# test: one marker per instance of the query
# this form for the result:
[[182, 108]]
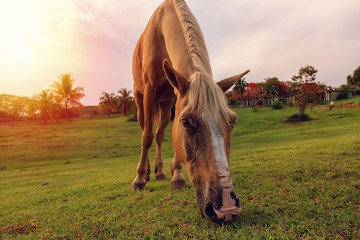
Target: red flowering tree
[[255, 90], [305, 89]]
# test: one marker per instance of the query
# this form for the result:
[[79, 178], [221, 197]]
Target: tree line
[[302, 88], [112, 103], [59, 101]]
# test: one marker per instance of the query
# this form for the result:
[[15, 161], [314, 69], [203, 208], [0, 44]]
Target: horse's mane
[[203, 93]]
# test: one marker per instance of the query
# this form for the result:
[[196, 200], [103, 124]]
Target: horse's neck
[[185, 58]]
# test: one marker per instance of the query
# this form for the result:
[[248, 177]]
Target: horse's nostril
[[209, 211], [236, 199]]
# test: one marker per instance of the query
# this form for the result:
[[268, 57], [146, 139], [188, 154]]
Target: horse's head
[[201, 137]]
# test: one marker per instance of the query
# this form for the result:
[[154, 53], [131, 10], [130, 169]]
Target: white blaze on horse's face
[[230, 202], [219, 153]]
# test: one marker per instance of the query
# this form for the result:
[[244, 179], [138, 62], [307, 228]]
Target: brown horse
[[171, 60]]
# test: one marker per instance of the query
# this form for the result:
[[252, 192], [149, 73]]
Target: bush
[[357, 92], [232, 101], [254, 109], [133, 118], [283, 100], [299, 118], [277, 105], [343, 95], [324, 103], [259, 102]]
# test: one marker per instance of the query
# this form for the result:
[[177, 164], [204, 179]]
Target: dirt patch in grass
[[21, 228]]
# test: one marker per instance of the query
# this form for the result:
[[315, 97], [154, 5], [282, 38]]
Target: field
[[73, 180]]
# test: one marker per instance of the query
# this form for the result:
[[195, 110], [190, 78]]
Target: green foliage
[[108, 102], [305, 88], [324, 103], [232, 101], [133, 117], [240, 86], [354, 79], [73, 181], [343, 95], [283, 100], [277, 105], [125, 100], [274, 86], [45, 103], [254, 109], [13, 107], [65, 93]]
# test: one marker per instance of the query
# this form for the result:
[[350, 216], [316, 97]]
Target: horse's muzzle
[[226, 211]]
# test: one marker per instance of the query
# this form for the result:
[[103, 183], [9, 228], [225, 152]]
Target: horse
[[171, 61]]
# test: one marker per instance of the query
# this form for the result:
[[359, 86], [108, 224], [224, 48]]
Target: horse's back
[[149, 53]]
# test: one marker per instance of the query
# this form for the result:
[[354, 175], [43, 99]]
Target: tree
[[240, 86], [355, 78], [65, 94], [107, 102], [125, 100], [13, 107], [274, 86], [45, 103], [255, 90], [305, 88]]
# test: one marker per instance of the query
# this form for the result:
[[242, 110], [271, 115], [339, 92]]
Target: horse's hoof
[[147, 178], [138, 184], [161, 176], [178, 184]]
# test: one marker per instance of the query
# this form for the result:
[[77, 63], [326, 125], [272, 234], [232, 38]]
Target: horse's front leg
[[164, 119], [143, 168], [178, 180]]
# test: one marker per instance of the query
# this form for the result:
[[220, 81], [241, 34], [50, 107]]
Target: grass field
[[73, 180], [355, 99]]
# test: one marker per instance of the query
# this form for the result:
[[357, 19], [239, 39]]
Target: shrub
[[232, 101], [283, 100], [133, 118], [299, 118], [277, 105], [343, 95], [254, 109], [259, 102], [324, 103]]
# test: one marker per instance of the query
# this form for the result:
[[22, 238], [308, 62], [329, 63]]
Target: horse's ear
[[228, 82], [175, 78]]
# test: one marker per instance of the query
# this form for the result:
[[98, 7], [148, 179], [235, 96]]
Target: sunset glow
[[94, 40]]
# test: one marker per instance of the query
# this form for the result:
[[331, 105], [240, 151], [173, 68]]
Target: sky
[[94, 40]]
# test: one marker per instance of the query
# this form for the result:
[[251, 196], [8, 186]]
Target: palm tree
[[44, 102], [240, 86], [125, 100], [65, 93], [107, 101]]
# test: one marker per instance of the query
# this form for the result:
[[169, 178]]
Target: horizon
[[94, 41]]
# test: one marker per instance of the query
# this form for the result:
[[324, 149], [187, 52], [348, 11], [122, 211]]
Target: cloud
[[94, 40]]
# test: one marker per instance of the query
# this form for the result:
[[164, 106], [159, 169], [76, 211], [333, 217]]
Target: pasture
[[73, 180]]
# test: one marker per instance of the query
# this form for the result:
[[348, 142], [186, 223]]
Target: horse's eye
[[186, 124], [189, 123]]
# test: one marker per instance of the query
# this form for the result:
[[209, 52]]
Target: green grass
[[355, 99], [73, 180]]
